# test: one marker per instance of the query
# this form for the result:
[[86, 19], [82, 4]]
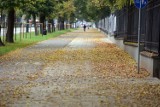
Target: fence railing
[[127, 25]]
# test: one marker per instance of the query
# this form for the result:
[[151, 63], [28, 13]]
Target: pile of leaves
[[109, 60], [106, 59]]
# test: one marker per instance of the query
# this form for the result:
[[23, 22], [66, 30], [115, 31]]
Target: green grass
[[28, 40]]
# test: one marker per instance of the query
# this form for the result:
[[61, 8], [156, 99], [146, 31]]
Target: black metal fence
[[150, 25], [132, 26], [152, 37], [127, 25], [122, 22]]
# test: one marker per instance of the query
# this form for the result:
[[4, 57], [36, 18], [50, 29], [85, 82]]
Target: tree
[[98, 9], [92, 10], [1, 43], [64, 10], [81, 9], [11, 6], [42, 8], [45, 9], [118, 4], [30, 9]]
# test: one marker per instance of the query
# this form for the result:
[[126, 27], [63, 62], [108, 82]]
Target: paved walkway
[[77, 69]]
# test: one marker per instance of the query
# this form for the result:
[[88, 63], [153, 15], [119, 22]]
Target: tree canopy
[[93, 10], [65, 10]]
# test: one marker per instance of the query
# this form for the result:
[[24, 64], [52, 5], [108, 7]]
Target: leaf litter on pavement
[[104, 72]]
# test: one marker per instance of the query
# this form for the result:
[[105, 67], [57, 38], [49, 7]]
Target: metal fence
[[132, 26], [127, 25], [152, 37], [122, 22]]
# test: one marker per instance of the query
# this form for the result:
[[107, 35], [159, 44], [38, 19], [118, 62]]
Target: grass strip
[[29, 39]]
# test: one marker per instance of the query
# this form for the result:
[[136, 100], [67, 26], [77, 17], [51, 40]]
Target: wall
[[145, 62]]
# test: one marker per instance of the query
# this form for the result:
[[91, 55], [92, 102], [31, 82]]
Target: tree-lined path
[[77, 69]]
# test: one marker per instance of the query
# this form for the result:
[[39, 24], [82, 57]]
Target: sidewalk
[[77, 69]]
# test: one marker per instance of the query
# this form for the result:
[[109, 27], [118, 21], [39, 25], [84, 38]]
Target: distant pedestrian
[[84, 27]]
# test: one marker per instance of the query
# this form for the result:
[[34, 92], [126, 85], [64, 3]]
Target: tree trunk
[[1, 43], [35, 26], [67, 24], [53, 26], [61, 22], [70, 25], [10, 30], [42, 20], [27, 26], [62, 25], [49, 26]]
